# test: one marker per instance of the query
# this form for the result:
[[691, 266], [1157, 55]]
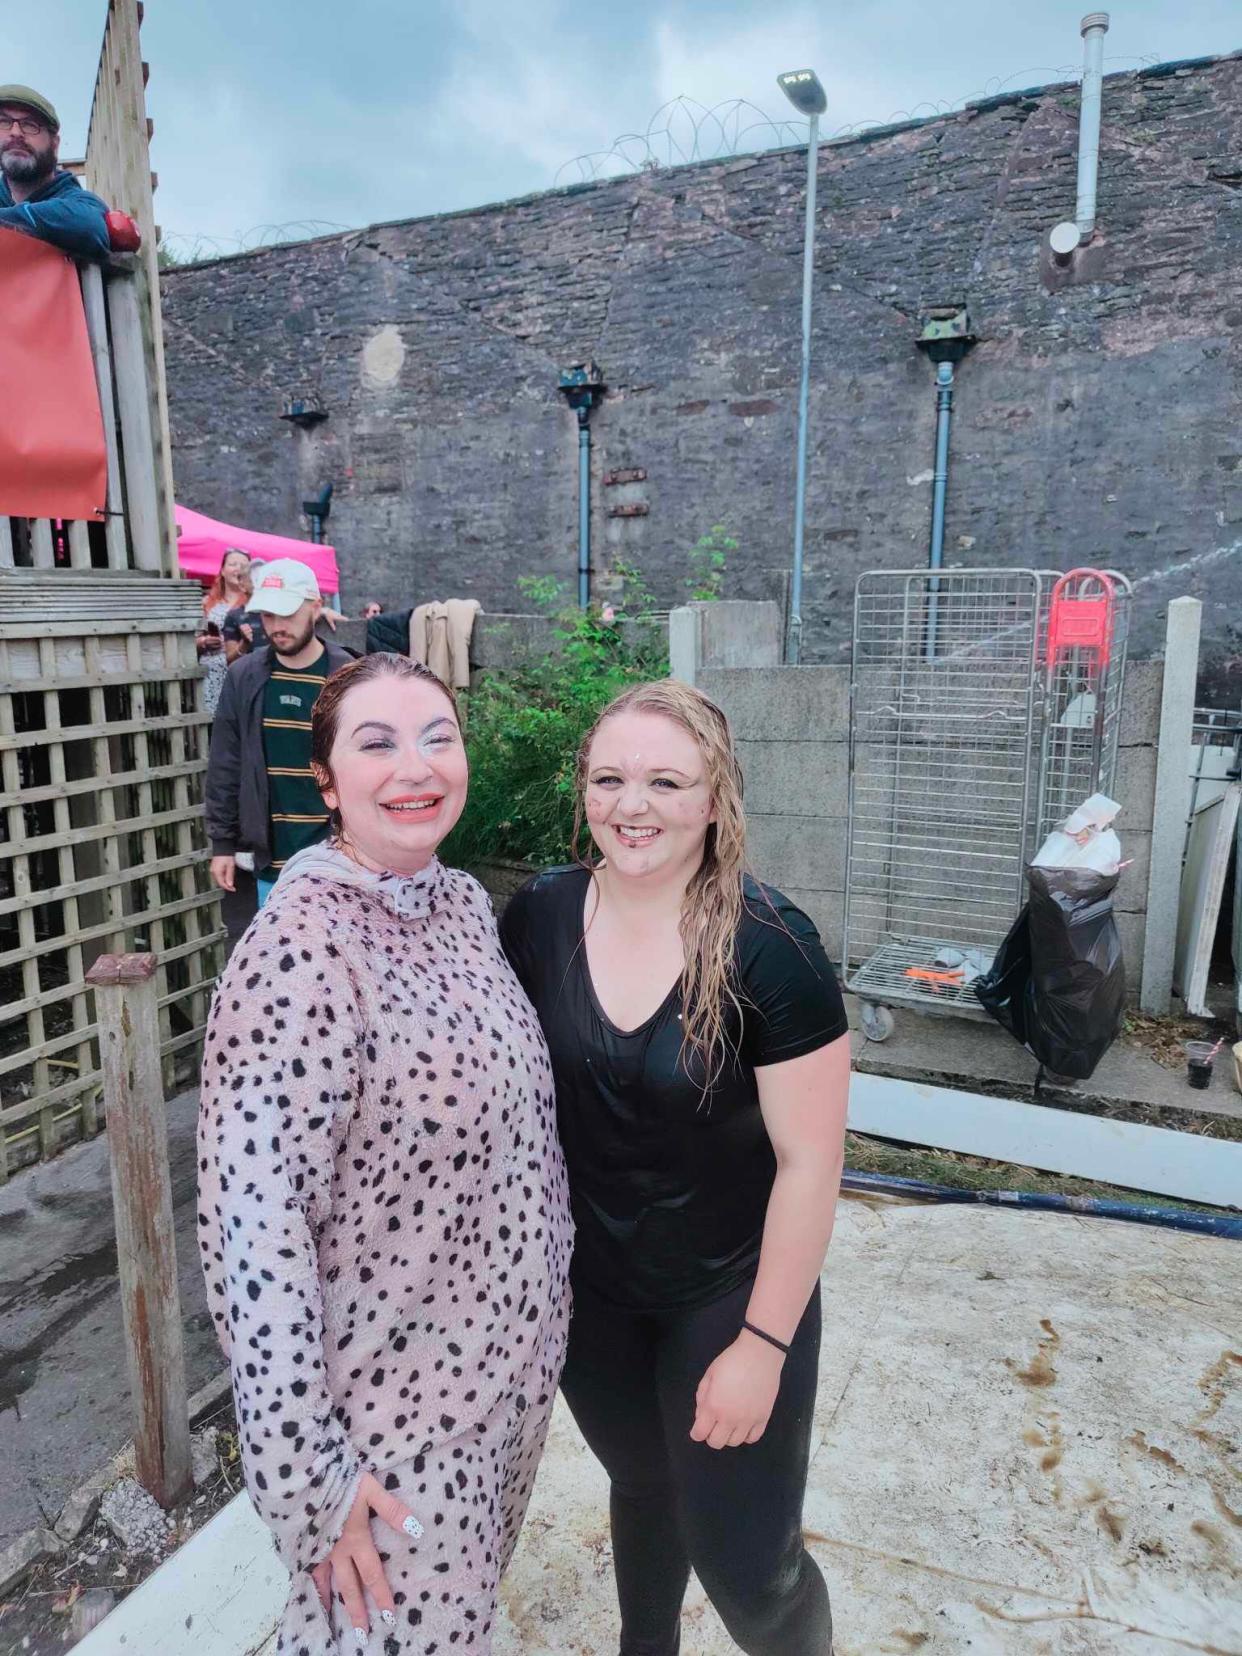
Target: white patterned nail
[[412, 1527], [361, 1636], [388, 1617]]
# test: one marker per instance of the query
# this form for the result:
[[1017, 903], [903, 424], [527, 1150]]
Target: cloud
[[539, 86], [283, 111]]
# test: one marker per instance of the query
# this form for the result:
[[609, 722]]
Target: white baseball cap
[[283, 586]]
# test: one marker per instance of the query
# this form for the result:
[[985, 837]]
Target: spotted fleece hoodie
[[384, 1217]]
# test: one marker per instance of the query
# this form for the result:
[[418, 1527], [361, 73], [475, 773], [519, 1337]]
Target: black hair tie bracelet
[[770, 1338]]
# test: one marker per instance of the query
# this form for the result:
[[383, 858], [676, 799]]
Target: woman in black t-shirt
[[701, 1058]]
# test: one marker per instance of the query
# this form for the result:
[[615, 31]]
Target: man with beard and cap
[[260, 794], [37, 196]]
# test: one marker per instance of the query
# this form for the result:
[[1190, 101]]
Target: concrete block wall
[[792, 731]]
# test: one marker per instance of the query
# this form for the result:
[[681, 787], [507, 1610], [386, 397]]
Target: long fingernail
[[412, 1527], [388, 1617], [361, 1637]]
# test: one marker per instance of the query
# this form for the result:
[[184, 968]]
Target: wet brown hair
[[326, 713], [712, 909]]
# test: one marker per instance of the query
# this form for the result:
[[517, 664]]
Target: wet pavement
[[64, 1384]]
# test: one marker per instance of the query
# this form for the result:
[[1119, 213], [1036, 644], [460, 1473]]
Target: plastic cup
[[1199, 1056]]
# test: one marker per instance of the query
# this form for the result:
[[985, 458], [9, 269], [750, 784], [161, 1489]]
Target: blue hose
[[1206, 1224]]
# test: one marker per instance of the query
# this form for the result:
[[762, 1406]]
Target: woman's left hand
[[737, 1394]]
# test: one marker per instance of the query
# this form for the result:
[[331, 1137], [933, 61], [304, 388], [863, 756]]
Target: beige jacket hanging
[[440, 638]]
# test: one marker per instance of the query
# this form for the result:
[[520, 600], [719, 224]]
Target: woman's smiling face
[[399, 772], [647, 799]]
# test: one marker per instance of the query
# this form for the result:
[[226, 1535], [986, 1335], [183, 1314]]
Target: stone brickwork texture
[[1094, 423]]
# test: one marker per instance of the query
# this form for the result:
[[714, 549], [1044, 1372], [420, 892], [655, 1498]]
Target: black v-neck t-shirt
[[669, 1189]]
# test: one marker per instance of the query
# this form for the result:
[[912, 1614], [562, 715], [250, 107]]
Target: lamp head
[[802, 88]]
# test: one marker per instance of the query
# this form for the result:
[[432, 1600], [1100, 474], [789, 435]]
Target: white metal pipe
[[1094, 27]]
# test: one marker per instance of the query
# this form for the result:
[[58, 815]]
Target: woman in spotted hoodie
[[384, 1219]]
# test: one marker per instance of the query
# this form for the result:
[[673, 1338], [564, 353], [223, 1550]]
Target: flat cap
[[32, 100]]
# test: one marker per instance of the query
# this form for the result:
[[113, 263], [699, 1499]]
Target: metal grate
[[944, 723]]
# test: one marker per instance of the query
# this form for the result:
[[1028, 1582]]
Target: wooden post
[[134, 407], [129, 1036]]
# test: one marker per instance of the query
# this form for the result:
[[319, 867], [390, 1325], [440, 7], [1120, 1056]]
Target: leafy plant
[[637, 598], [709, 558], [524, 726]]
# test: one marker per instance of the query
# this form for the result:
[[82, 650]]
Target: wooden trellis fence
[[101, 842], [102, 741]]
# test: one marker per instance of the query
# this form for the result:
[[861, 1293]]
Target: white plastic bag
[[1085, 839]]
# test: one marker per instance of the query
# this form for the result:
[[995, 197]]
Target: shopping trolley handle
[[1080, 618]]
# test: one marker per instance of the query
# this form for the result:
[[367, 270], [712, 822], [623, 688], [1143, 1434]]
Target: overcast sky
[[336, 113]]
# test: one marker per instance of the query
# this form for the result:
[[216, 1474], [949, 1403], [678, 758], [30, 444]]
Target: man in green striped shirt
[[260, 792], [296, 809]]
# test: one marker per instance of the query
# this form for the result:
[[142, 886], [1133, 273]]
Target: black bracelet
[[770, 1338]]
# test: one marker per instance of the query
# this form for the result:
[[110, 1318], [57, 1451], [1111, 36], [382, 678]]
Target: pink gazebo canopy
[[202, 543]]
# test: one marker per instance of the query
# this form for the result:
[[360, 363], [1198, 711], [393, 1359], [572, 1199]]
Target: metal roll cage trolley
[[984, 707]]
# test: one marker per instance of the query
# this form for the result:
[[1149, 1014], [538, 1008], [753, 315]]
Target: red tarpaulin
[[52, 460], [202, 543]]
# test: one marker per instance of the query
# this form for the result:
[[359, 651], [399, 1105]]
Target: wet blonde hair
[[713, 906]]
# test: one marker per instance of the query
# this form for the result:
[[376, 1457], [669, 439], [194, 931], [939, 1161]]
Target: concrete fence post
[[723, 632], [685, 643], [1168, 828], [127, 1011]]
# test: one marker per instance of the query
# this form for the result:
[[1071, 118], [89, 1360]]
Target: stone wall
[[1097, 419], [792, 726]]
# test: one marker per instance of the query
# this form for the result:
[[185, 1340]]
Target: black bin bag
[[1058, 983]]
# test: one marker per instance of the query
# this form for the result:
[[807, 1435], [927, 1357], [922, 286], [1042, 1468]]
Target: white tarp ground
[[1027, 1444]]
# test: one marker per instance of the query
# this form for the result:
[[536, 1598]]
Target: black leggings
[[735, 1515]]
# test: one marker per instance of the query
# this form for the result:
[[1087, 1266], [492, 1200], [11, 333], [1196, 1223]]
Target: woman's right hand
[[207, 643], [354, 1563]]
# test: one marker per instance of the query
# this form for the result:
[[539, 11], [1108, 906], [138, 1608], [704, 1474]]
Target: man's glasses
[[25, 124]]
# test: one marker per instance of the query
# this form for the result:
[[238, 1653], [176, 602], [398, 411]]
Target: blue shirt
[[60, 212]]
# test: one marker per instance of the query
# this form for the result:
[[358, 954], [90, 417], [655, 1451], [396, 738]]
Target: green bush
[[524, 726]]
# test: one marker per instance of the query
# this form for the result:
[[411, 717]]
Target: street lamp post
[[802, 88]]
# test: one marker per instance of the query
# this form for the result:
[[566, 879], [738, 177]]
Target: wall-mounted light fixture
[[582, 387], [304, 412]]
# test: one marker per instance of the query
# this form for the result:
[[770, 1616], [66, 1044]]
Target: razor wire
[[683, 130], [192, 247]]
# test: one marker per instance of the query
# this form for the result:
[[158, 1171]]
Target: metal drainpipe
[[1094, 27], [940, 490], [584, 506], [946, 338], [582, 386], [940, 481]]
